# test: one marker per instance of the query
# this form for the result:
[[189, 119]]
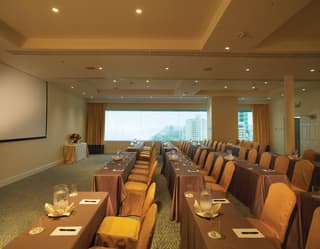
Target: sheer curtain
[[261, 124], [95, 127]]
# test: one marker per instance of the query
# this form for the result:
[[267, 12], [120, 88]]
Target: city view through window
[[155, 125], [245, 125]]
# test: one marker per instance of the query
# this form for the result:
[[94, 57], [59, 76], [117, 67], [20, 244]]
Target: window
[[155, 125], [245, 125]]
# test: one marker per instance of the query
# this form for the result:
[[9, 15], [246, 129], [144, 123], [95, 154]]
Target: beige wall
[[66, 114], [225, 118], [310, 126]]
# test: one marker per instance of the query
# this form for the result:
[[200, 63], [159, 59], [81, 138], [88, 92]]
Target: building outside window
[[245, 125]]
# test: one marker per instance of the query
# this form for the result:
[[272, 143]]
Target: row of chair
[[134, 228]]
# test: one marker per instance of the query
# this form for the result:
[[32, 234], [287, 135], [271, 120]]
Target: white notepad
[[66, 231], [89, 201], [220, 200], [247, 233]]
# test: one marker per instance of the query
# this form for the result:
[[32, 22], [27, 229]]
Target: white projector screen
[[23, 106]]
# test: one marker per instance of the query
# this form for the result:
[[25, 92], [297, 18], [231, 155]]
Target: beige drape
[[261, 124], [95, 123]]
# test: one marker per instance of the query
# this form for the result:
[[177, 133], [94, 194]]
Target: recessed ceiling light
[[55, 9], [139, 11], [83, 93], [303, 89], [282, 94], [196, 81], [114, 81], [147, 81], [266, 82], [253, 87], [100, 68], [71, 87], [227, 48], [166, 68], [225, 87], [268, 98], [312, 70], [148, 86], [91, 97], [247, 69], [94, 68]]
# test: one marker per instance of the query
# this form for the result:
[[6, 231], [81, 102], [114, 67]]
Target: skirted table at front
[[74, 152]]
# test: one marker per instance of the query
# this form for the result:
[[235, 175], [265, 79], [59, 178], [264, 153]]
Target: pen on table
[[219, 200], [249, 232], [89, 201], [67, 229]]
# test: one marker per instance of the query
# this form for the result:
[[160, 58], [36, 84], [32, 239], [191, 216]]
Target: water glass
[[60, 197], [73, 190], [205, 201]]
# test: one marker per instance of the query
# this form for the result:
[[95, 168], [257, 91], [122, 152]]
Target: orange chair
[[202, 159], [214, 145], [281, 164], [242, 153], [196, 156], [252, 156], [309, 155], [313, 240], [208, 165], [276, 213], [265, 160], [143, 175], [302, 176], [213, 178], [125, 232], [223, 147], [226, 178]]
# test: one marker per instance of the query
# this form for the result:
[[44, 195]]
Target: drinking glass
[[205, 201], [37, 227], [60, 197], [215, 233], [73, 190]]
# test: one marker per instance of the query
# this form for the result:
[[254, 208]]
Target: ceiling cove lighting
[[55, 10], [139, 11]]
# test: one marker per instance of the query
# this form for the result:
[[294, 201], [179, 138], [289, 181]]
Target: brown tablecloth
[[138, 147], [181, 177], [298, 231], [194, 230], [250, 184], [112, 177], [88, 216]]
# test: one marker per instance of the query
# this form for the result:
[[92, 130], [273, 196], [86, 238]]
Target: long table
[[112, 177], [181, 177], [194, 229], [250, 184], [88, 216]]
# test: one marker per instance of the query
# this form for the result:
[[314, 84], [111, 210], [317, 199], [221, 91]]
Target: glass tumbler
[[60, 197]]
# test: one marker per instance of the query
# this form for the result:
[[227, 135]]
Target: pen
[[219, 200], [249, 232], [89, 201], [67, 229]]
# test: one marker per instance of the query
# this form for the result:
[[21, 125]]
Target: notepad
[[247, 233], [66, 231], [89, 201], [220, 200]]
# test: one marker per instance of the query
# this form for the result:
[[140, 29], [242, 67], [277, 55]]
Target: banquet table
[[194, 229], [88, 216], [75, 152], [137, 147], [250, 184], [112, 177], [181, 177]]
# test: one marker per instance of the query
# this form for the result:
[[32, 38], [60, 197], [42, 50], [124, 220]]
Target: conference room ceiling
[[105, 51]]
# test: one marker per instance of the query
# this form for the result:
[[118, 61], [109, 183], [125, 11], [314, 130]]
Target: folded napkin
[[212, 212]]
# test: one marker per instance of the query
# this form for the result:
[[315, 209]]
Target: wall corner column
[[289, 134]]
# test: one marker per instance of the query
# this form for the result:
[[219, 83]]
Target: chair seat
[[296, 188], [203, 172], [136, 186], [142, 162], [137, 171], [216, 187], [118, 231], [141, 166], [138, 178], [267, 231], [209, 179]]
